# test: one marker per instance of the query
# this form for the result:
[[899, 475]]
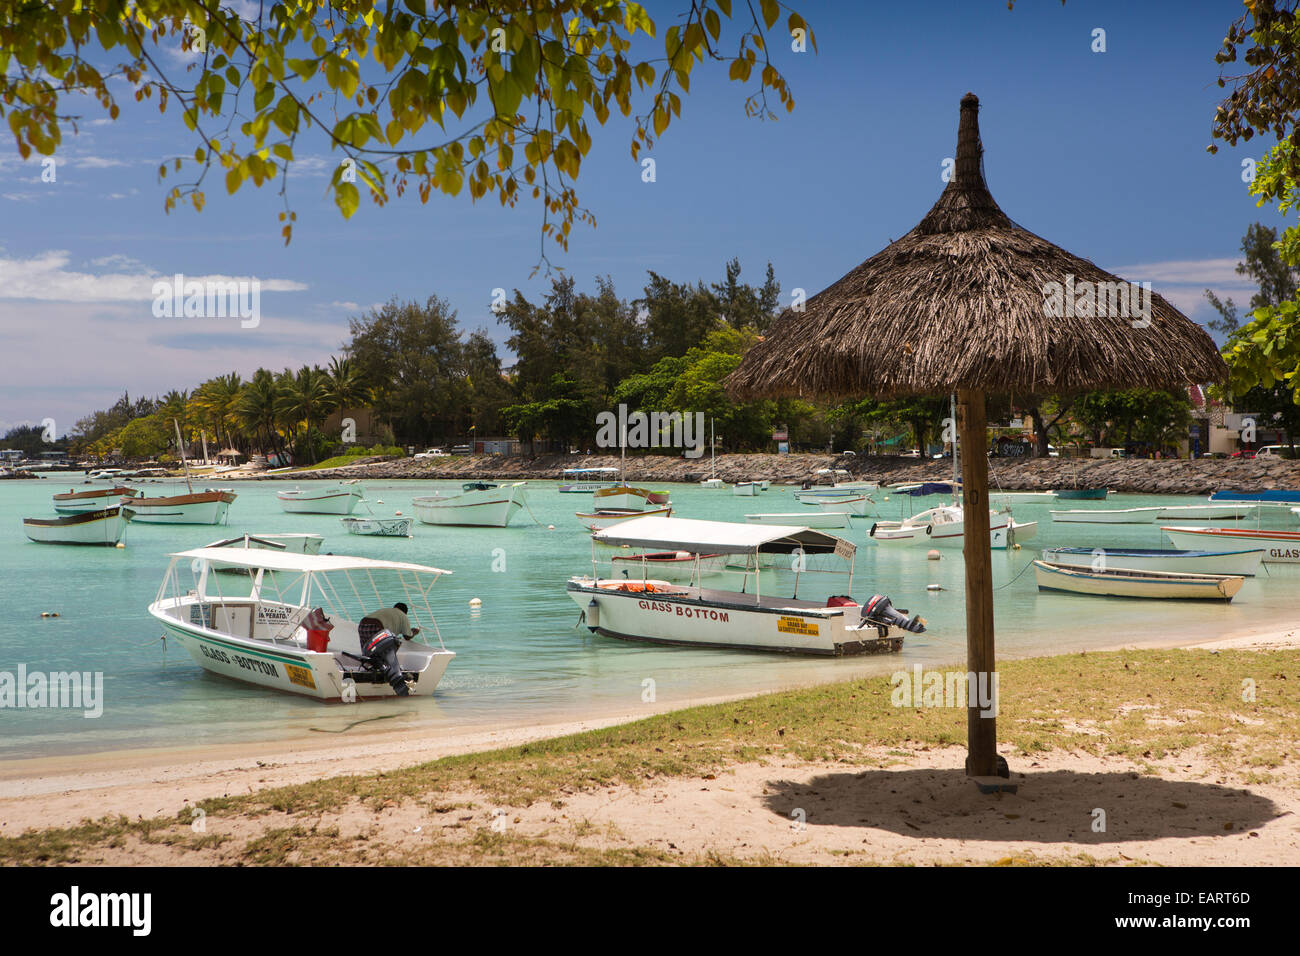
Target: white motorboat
[[1004, 498], [579, 481], [283, 543], [96, 499], [802, 519], [713, 484], [764, 485], [382, 527], [608, 517], [658, 611], [1106, 515], [1244, 563], [329, 500], [104, 527], [210, 506], [1116, 582], [262, 628], [676, 566], [477, 504], [1215, 511], [945, 527], [746, 489], [1280, 547]]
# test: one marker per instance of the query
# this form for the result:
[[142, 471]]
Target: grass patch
[[1237, 707]]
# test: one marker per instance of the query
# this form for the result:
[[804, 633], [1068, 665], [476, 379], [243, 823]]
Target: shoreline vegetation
[[1169, 476], [1186, 765]]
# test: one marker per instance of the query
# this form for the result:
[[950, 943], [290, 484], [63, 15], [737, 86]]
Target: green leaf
[[347, 198]]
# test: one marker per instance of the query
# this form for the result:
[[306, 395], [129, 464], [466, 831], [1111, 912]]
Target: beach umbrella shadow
[[1050, 807]]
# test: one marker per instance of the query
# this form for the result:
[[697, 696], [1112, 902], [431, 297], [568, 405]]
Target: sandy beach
[[926, 814]]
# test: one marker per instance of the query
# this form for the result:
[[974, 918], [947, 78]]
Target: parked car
[[1274, 451], [432, 453], [1244, 453]]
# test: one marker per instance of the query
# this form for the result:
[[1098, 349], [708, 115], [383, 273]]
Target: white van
[[1274, 451]]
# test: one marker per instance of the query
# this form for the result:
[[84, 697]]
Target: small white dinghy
[[1220, 511], [746, 489], [380, 527], [105, 527], [1244, 562], [608, 517], [96, 499], [945, 526], [264, 630], [1117, 582], [330, 500], [1280, 547]]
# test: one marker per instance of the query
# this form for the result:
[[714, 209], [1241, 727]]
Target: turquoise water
[[520, 659]]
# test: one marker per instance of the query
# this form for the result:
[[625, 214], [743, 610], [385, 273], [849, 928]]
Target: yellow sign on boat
[[797, 625], [300, 676]]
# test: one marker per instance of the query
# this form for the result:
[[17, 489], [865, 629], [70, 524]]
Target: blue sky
[[1102, 153]]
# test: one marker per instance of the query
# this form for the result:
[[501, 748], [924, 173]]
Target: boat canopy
[[591, 471], [721, 537], [314, 563], [927, 488]]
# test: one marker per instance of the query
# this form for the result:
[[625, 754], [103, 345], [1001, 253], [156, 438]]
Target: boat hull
[[600, 520], [80, 502], [490, 508], [1115, 516], [1243, 563], [295, 671], [1136, 584], [104, 528], [681, 619], [201, 508], [1280, 547], [804, 519], [379, 527], [332, 501], [1212, 512]]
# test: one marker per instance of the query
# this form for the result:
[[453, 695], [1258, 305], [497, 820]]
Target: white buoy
[[119, 545], [475, 602], [934, 587], [550, 527], [1015, 547], [397, 513], [933, 555], [380, 501]]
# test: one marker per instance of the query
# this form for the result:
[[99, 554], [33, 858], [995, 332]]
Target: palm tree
[[256, 411], [304, 397]]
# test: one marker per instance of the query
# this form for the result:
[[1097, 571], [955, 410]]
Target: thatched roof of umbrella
[[959, 302]]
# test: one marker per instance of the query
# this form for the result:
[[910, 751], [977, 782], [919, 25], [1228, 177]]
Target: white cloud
[[47, 277], [1205, 273]]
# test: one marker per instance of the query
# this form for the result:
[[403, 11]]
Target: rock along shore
[[1148, 476]]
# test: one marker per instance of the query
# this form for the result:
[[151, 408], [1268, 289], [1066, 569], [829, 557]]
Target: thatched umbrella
[[969, 302]]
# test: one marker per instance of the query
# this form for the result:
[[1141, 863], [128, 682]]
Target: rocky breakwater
[[1165, 476]]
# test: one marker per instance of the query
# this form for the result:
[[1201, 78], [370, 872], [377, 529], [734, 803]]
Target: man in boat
[[381, 634]]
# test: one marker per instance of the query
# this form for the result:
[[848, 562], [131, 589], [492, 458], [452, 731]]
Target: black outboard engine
[[881, 612]]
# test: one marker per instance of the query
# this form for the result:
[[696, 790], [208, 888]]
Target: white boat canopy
[[721, 537], [314, 563], [591, 471]]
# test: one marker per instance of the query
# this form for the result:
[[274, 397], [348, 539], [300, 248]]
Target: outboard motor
[[881, 612]]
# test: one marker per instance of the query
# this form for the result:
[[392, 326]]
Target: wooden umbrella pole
[[981, 731]]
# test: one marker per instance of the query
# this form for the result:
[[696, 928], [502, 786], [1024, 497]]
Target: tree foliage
[[437, 96]]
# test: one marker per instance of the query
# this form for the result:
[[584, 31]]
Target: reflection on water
[[521, 659]]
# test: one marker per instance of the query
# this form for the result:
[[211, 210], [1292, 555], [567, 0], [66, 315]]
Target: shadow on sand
[[1050, 807]]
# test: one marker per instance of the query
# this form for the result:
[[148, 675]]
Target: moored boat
[[210, 506], [1280, 547], [607, 517], [1082, 494], [477, 504], [1106, 515], [713, 484], [381, 527], [329, 500], [860, 506], [746, 489], [284, 543], [1118, 582], [95, 499], [1211, 512], [301, 638], [626, 497], [1273, 496], [946, 527], [105, 527], [659, 611], [579, 481], [1240, 562], [808, 519]]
